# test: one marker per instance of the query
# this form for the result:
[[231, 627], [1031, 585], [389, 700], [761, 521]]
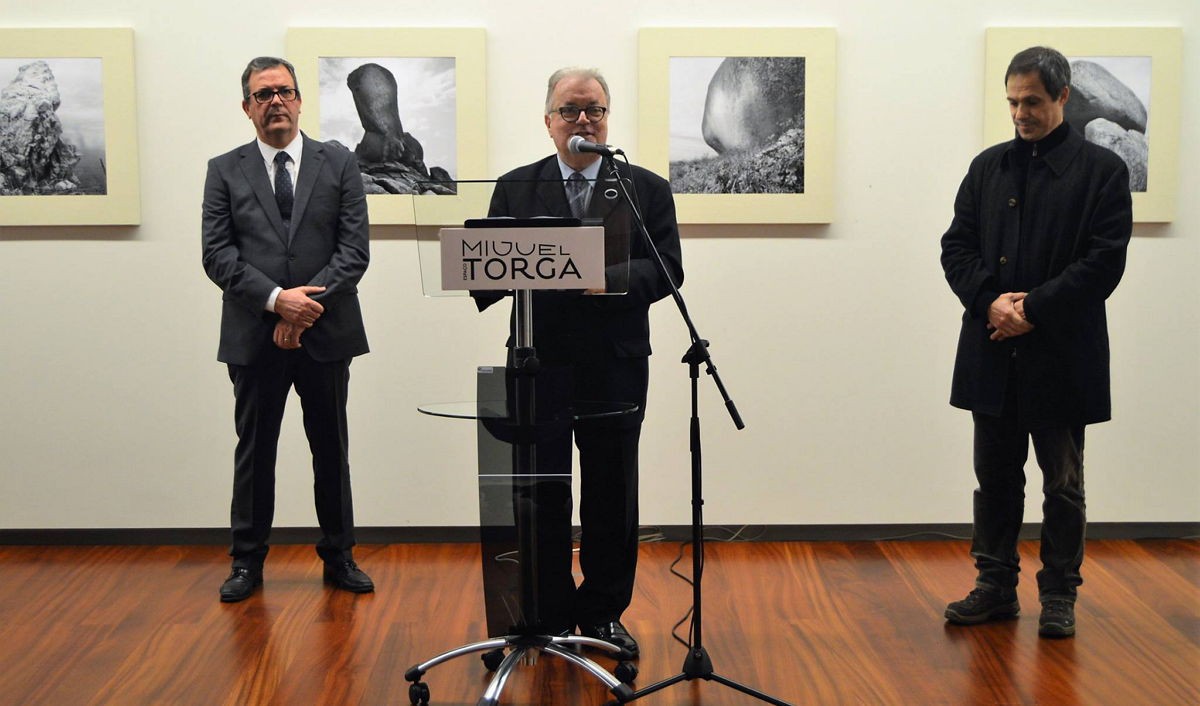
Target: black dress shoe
[[241, 583], [348, 577], [613, 633]]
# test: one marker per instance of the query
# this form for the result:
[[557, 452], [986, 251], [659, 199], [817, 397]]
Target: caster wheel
[[492, 659], [418, 694], [626, 672]]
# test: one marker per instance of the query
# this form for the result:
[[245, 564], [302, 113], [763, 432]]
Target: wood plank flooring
[[806, 622]]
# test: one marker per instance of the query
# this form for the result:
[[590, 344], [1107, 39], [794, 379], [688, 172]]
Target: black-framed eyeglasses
[[266, 95], [570, 113]]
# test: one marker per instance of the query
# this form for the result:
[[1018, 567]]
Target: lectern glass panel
[[524, 439]]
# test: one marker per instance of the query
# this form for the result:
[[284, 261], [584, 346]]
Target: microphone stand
[[697, 664]]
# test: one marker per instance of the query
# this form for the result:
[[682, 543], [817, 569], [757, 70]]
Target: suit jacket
[[1062, 240], [575, 328], [247, 252]]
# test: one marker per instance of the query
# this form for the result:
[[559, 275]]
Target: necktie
[[283, 186], [577, 191]]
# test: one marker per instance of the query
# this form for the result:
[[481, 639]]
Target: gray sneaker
[[982, 605], [1057, 619]]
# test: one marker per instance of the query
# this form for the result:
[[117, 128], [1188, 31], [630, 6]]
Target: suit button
[[1003, 260], [1012, 203]]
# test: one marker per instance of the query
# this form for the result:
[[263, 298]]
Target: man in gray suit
[[285, 238]]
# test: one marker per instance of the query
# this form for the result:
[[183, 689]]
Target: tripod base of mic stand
[[526, 648], [698, 665]]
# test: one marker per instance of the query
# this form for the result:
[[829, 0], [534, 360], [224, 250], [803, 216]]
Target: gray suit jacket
[[247, 252]]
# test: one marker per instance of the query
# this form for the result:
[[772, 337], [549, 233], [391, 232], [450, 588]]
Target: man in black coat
[[605, 342], [1036, 246], [285, 238]]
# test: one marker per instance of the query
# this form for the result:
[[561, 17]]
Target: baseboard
[[674, 533]]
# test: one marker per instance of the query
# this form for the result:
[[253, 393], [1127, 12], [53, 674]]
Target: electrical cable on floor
[[911, 535]]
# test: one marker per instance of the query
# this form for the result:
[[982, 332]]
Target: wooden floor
[[806, 622]]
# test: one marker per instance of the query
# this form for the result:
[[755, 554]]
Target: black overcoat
[[1068, 254]]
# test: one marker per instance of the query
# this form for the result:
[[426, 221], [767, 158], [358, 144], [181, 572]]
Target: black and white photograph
[[398, 115], [1110, 105], [1126, 85], [736, 125], [52, 127]]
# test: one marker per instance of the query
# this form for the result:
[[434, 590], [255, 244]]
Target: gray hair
[[1049, 64], [574, 72], [262, 63]]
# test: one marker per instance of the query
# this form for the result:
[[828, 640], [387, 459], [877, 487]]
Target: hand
[[295, 306], [1006, 316], [1019, 307], [287, 336]]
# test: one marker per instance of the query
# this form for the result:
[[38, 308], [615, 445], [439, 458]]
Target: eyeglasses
[[571, 113], [266, 95]]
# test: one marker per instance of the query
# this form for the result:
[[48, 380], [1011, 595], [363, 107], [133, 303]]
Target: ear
[[246, 108], [1066, 95]]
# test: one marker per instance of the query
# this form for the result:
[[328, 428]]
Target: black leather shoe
[[241, 583], [613, 633], [348, 577]]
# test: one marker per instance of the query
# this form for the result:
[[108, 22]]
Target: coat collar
[[1057, 159], [311, 163]]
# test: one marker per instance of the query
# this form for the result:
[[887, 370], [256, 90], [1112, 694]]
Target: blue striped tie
[[577, 190]]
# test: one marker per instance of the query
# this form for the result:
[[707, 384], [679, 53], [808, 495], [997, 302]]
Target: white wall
[[836, 341]]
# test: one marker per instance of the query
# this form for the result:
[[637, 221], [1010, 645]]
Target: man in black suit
[[285, 238], [1041, 225], [604, 341]]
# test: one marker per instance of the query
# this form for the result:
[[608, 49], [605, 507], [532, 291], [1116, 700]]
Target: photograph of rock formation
[[398, 115], [52, 127], [1109, 104], [736, 125]]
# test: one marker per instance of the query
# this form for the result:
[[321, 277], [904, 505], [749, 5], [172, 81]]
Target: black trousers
[[260, 393], [608, 496], [1001, 450], [608, 515]]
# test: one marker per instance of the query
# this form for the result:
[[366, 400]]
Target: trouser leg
[[1001, 450], [1060, 454], [608, 512], [323, 390], [260, 393]]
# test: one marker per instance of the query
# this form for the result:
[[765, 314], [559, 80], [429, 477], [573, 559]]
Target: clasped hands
[[298, 313], [1006, 316]]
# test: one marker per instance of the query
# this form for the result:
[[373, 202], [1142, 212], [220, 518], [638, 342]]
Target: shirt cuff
[[271, 299]]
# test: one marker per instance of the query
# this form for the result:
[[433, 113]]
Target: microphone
[[578, 145]]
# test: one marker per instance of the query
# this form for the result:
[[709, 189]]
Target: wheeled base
[[526, 647]]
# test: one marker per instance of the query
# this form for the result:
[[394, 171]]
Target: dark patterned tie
[[283, 186], [577, 191]]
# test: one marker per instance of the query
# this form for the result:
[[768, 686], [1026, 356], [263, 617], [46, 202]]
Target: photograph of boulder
[[397, 114], [52, 127], [1109, 105], [736, 125]]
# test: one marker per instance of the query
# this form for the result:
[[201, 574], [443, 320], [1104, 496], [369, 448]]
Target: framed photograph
[[1125, 84], [400, 99], [740, 120], [68, 128]]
